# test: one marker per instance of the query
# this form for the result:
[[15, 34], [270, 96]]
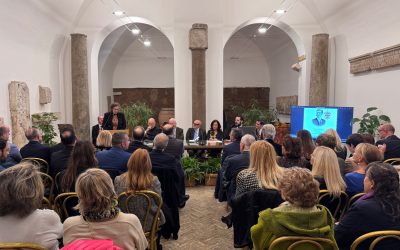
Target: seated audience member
[[330, 142], [299, 215], [234, 147], [215, 133], [178, 132], [100, 217], [292, 156], [152, 129], [307, 143], [269, 133], [59, 159], [96, 129], [259, 134], [138, 137], [82, 158], [21, 220], [368, 138], [377, 210], [138, 178], [5, 161], [364, 154], [35, 148], [14, 150], [340, 148], [389, 142], [325, 170], [60, 146], [263, 171], [116, 157], [196, 133], [352, 141], [104, 140]]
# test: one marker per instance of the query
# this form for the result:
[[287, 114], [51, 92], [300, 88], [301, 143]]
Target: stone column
[[198, 43], [319, 70], [80, 91], [20, 111]]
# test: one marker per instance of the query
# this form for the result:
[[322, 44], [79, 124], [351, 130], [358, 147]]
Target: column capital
[[198, 37]]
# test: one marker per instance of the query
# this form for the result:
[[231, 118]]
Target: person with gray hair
[[116, 157], [269, 132], [234, 147], [160, 141], [35, 148]]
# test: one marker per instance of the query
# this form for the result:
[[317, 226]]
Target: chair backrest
[[336, 205], [64, 205], [112, 172], [48, 183], [146, 205], [379, 236], [42, 164], [350, 202], [46, 204], [20, 245], [302, 242], [393, 161]]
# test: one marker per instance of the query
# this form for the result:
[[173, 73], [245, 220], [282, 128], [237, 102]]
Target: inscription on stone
[[20, 111]]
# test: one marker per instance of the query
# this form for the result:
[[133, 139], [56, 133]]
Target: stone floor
[[201, 227]]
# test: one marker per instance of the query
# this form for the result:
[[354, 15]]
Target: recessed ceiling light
[[262, 29], [147, 42], [135, 31], [118, 12], [280, 12]]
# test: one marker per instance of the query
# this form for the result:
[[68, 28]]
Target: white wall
[[246, 72]]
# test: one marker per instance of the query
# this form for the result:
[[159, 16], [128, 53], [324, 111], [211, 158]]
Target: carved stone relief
[[44, 95], [20, 111], [283, 104]]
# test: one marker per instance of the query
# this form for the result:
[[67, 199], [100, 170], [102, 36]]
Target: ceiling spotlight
[[135, 31], [262, 29], [118, 12], [147, 42], [280, 12]]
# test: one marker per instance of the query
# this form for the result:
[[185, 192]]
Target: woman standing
[[114, 120]]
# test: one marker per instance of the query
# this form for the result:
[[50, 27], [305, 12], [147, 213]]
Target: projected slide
[[318, 120]]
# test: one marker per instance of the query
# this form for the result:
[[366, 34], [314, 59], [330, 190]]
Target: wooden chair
[[393, 161], [302, 242], [46, 204], [48, 183], [42, 164], [14, 246], [64, 205], [140, 204], [336, 205], [378, 235], [351, 201]]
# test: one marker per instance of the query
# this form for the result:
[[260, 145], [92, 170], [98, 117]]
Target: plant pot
[[190, 182], [211, 179]]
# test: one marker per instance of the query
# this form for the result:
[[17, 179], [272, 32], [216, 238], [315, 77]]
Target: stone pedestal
[[198, 44], [319, 70], [80, 92], [20, 111]]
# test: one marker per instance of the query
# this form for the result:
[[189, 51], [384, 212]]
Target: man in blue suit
[[116, 157], [318, 121], [234, 147]]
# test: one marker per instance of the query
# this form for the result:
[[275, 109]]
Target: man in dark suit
[[34, 148], [116, 157], [152, 129], [114, 120], [14, 154], [318, 121], [196, 133], [59, 159], [259, 125], [234, 147], [96, 129], [138, 136], [238, 124], [389, 143], [178, 132]]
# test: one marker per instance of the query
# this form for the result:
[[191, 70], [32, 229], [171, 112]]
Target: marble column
[[80, 91], [20, 111], [198, 43], [318, 95]]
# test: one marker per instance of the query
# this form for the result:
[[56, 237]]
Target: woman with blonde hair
[[325, 169], [100, 217], [21, 220], [103, 141], [263, 171], [340, 148]]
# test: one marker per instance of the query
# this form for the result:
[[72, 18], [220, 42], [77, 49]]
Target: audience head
[[168, 130], [172, 121], [263, 162], [33, 134], [196, 124], [383, 180], [95, 191], [385, 130], [215, 125], [325, 164], [368, 138], [239, 120], [259, 124], [353, 140], [160, 141], [326, 140], [235, 134], [138, 133], [104, 139], [269, 131], [4, 133], [291, 147], [299, 187], [100, 119], [306, 142], [246, 142], [115, 107], [22, 190], [151, 123], [366, 153], [68, 137], [4, 150], [333, 133], [139, 171], [120, 140]]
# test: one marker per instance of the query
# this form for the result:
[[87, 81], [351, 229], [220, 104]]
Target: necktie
[[196, 134]]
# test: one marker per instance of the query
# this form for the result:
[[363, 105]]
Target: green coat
[[274, 223]]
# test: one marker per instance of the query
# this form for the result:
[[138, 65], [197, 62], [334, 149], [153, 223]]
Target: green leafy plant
[[44, 121], [370, 122], [193, 168], [137, 114], [212, 165], [254, 111]]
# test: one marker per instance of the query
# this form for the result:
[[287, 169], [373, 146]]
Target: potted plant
[[193, 171], [212, 167], [370, 121], [137, 114], [255, 111], [44, 121]]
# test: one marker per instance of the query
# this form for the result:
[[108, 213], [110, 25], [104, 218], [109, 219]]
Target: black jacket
[[190, 134], [37, 150], [135, 145], [234, 164], [107, 121], [392, 146], [230, 149], [95, 133], [59, 160]]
